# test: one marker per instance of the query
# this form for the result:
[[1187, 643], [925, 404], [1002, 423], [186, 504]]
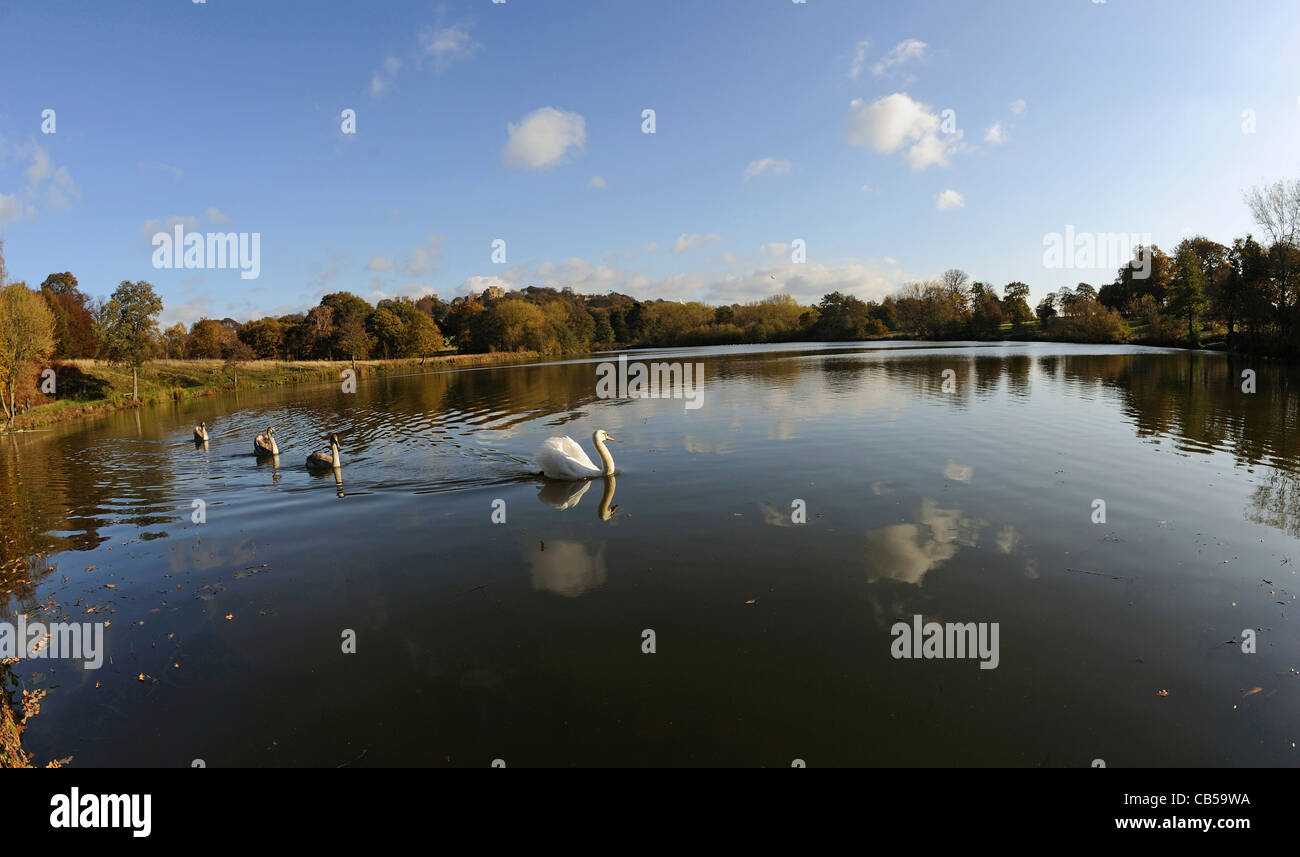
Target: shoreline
[[178, 380], [165, 380]]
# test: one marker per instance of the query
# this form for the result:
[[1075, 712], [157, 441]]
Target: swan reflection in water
[[565, 495], [322, 472], [272, 461], [338, 479]]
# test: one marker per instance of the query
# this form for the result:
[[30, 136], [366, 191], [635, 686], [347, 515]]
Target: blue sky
[[775, 121]]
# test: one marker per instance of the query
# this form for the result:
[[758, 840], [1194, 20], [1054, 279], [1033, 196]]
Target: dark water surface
[[522, 641]]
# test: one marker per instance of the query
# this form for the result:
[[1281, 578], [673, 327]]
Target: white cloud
[[478, 285], [895, 121], [859, 59], [776, 166], [908, 49], [330, 272], [1018, 106], [543, 138], [380, 263], [996, 134], [652, 247], [11, 208], [189, 312], [447, 45], [423, 259], [949, 200], [45, 179], [41, 168], [441, 47], [890, 260], [62, 189], [378, 293], [158, 166], [152, 227], [689, 242], [613, 257], [930, 151], [597, 182], [216, 216], [775, 249], [806, 282], [384, 79]]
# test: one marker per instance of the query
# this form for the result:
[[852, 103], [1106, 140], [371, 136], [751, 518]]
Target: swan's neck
[[606, 460], [334, 452], [604, 511]]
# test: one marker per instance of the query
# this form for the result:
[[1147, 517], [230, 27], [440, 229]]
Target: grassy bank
[[91, 388]]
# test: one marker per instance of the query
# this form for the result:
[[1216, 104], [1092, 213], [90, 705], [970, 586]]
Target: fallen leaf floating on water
[[141, 676], [1252, 691], [230, 616], [751, 601], [1162, 693]]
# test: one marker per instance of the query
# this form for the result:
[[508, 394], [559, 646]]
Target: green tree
[[1187, 291], [986, 312], [349, 314], [1015, 305], [128, 328], [175, 340], [885, 312], [265, 337], [516, 325], [1089, 321], [388, 331], [844, 317], [1148, 274], [462, 324], [422, 336], [1046, 309], [604, 333]]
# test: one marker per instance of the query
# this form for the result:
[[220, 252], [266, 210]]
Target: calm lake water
[[522, 640]]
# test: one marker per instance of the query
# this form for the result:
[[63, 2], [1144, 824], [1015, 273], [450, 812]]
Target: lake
[[524, 639]]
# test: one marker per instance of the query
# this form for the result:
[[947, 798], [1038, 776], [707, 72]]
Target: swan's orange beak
[[611, 437]]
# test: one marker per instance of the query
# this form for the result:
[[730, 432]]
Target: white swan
[[562, 458]]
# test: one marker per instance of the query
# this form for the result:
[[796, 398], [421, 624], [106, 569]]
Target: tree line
[[1244, 296]]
